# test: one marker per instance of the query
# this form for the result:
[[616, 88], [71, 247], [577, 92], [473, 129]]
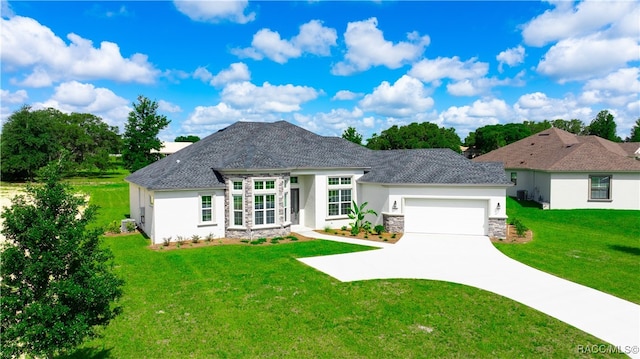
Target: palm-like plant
[[357, 214]]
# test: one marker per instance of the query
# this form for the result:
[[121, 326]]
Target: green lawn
[[241, 301], [597, 248]]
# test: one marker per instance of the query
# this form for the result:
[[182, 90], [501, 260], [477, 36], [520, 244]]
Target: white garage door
[[445, 216]]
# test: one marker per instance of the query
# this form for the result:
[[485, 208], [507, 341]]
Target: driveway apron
[[474, 261]]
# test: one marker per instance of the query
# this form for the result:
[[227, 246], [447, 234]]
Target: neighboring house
[[565, 171], [169, 148], [254, 180]]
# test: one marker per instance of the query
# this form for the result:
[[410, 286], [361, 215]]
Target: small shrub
[[291, 237], [259, 240], [113, 227], [195, 238], [344, 228], [274, 240], [179, 240], [367, 226], [244, 240], [327, 229], [355, 231], [209, 237], [393, 235], [379, 229], [521, 229], [130, 226], [166, 241], [366, 236]]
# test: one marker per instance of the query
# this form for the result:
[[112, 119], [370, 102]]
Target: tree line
[[79, 141], [487, 138]]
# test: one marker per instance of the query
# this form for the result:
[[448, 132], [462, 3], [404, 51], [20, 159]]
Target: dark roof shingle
[[283, 146]]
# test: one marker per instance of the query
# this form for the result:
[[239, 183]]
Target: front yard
[[235, 301]]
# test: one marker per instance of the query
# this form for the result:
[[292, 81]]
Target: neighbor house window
[[237, 203], [514, 177], [206, 208], [600, 187], [340, 189], [264, 202]]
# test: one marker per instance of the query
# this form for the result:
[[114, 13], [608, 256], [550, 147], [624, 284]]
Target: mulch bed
[[383, 237], [512, 236], [188, 243]]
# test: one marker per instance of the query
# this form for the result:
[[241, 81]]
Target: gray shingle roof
[[281, 145], [431, 166]]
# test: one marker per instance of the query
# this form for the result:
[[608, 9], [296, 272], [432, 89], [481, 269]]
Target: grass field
[[597, 248], [240, 301]]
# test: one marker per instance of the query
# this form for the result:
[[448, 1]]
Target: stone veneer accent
[[248, 232], [393, 222], [498, 228]]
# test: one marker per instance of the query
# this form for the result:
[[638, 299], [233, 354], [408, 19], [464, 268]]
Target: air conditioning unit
[[521, 195], [142, 216]]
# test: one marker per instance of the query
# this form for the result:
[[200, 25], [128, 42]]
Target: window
[[264, 202], [600, 188], [294, 180], [206, 208], [238, 212], [237, 203], [514, 177], [264, 209], [339, 200]]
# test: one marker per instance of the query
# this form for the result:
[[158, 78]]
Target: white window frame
[[234, 192], [344, 183], [262, 191], [609, 189], [202, 209]]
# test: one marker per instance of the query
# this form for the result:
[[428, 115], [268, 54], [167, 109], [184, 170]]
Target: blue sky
[[325, 65]]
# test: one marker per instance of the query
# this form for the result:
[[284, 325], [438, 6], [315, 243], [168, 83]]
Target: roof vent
[[543, 134]]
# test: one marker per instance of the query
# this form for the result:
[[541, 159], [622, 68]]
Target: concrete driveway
[[474, 261]]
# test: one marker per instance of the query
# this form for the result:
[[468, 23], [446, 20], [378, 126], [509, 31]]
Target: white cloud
[[367, 47], [216, 11], [584, 58], [313, 38], [5, 9], [167, 106], [511, 57], [25, 43], [334, 122], [85, 98], [538, 107], [481, 113], [18, 97], [346, 95], [267, 98], [237, 72], [448, 67], [201, 73], [622, 81], [406, 97], [481, 86], [207, 119], [565, 21]]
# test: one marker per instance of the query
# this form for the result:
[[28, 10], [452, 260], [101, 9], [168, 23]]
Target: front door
[[295, 206]]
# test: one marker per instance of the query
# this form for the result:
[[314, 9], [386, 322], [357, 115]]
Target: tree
[[30, 139], [415, 135], [58, 284], [189, 138], [635, 132], [141, 134], [535, 127], [350, 134], [604, 126], [491, 137], [574, 126]]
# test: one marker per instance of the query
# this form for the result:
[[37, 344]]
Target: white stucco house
[[253, 180], [565, 171]]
